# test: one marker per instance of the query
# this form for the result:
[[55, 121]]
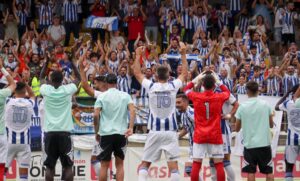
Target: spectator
[[22, 13], [45, 15], [187, 21], [287, 18], [56, 32], [71, 20], [98, 9], [261, 7], [151, 25], [277, 24], [135, 26], [11, 22]]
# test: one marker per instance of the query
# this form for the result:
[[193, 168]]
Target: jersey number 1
[[207, 110]]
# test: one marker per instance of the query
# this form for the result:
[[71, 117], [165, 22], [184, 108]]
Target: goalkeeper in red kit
[[207, 135]]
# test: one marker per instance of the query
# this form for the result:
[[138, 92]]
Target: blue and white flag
[[189, 57], [109, 23]]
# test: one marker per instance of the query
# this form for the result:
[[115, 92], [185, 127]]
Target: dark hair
[[20, 88], [256, 68], [252, 87], [208, 82], [100, 78], [162, 73], [111, 79], [182, 96], [57, 77], [93, 54]]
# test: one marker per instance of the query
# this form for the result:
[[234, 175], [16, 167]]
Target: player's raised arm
[[84, 82], [184, 72], [137, 66], [281, 100]]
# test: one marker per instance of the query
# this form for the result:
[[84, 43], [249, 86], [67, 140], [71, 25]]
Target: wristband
[[4, 72]]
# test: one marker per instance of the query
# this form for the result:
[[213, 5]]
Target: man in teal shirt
[[58, 122], [111, 126], [254, 116], [4, 93]]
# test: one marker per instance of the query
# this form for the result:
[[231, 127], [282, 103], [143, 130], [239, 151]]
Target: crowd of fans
[[230, 37]]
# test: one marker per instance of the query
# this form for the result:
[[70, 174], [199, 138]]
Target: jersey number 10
[[163, 101]]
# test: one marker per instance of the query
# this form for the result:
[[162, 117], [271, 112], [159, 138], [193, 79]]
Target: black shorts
[[261, 157], [288, 38], [58, 145], [112, 144]]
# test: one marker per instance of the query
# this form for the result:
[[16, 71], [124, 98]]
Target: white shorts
[[291, 153], [3, 148], [21, 152], [211, 150], [226, 143], [161, 141]]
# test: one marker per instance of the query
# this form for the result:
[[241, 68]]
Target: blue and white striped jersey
[[124, 83], [45, 15], [273, 86], [203, 51], [18, 113], [223, 18], [162, 102], [113, 65], [235, 5], [178, 4], [243, 23], [70, 11], [241, 89], [293, 114], [227, 82], [200, 22], [288, 82], [288, 22], [36, 116], [260, 81], [186, 19], [23, 17], [188, 121]]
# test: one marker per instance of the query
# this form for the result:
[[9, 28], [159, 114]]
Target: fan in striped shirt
[[124, 77], [70, 8], [240, 88], [178, 4], [273, 83], [258, 78], [187, 21], [243, 20], [22, 13], [225, 80], [223, 17], [289, 76], [45, 15], [200, 18]]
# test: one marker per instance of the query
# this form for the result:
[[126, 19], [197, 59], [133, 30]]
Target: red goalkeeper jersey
[[208, 110]]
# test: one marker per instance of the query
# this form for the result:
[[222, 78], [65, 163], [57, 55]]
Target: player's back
[[18, 113], [293, 113], [162, 101], [208, 109]]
